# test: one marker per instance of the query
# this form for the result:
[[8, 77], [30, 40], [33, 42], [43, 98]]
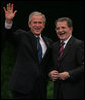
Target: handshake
[[56, 75]]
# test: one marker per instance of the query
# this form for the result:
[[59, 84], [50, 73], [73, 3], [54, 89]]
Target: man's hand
[[9, 13], [54, 75], [63, 75]]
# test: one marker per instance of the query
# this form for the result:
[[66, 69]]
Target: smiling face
[[63, 31], [37, 24]]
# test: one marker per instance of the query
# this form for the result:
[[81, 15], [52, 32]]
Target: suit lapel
[[67, 48], [58, 47], [47, 44], [34, 46]]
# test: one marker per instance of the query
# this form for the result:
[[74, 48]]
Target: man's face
[[63, 31], [37, 24]]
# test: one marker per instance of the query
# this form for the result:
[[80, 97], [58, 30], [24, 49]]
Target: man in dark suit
[[29, 78], [68, 63]]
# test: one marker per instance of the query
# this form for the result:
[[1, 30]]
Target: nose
[[37, 23], [60, 29]]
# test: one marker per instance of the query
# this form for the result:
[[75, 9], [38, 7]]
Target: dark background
[[52, 9]]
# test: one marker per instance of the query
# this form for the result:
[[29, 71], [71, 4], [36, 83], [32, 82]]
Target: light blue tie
[[39, 48]]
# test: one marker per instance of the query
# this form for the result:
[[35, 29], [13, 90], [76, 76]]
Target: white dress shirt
[[43, 45]]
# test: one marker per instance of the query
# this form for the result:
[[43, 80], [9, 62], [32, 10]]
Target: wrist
[[8, 21]]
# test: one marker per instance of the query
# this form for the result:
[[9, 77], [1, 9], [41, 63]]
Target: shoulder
[[21, 32], [77, 41], [55, 43], [48, 39]]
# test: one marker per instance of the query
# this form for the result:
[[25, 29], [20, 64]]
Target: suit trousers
[[58, 94], [18, 95], [31, 95], [39, 92]]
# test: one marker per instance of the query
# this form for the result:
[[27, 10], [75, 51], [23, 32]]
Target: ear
[[44, 25], [72, 28]]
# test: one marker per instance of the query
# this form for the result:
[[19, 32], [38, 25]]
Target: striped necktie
[[61, 50]]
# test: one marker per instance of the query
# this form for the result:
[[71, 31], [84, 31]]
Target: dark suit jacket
[[28, 73], [72, 61]]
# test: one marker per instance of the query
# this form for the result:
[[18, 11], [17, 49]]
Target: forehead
[[61, 23], [37, 17]]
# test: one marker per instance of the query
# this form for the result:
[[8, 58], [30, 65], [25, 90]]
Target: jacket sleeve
[[78, 72]]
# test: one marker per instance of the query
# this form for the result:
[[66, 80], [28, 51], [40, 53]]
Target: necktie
[[61, 50], [39, 48]]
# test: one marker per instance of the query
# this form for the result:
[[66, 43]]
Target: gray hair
[[68, 20], [36, 13]]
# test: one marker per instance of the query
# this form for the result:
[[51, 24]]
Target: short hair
[[36, 13], [68, 20]]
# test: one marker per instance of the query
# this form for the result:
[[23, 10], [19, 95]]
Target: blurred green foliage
[[50, 90], [7, 64]]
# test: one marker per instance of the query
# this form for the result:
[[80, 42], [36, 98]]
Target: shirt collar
[[67, 39], [38, 36]]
